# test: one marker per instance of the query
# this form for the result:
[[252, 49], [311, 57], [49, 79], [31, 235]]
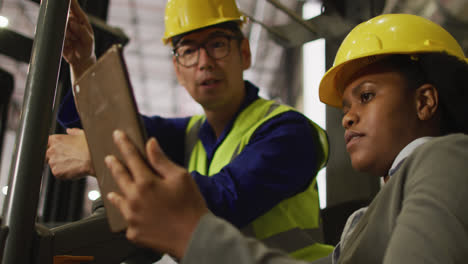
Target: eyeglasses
[[217, 47]]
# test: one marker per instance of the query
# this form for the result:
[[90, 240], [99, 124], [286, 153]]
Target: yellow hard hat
[[183, 16], [383, 35]]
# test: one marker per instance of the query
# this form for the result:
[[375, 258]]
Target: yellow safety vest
[[292, 225]]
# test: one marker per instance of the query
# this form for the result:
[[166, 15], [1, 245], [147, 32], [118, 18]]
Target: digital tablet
[[105, 102]]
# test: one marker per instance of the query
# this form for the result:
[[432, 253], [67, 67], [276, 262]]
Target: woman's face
[[380, 117]]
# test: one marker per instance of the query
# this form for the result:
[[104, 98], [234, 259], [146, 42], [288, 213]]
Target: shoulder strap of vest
[[275, 108], [191, 136], [270, 110]]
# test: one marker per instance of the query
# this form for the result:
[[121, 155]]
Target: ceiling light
[[5, 190], [3, 21], [93, 195]]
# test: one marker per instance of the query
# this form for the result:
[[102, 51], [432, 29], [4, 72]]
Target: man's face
[[380, 118], [214, 83]]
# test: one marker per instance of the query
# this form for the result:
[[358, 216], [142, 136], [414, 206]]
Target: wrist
[[186, 234], [78, 68]]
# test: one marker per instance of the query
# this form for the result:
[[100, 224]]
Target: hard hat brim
[[168, 35], [332, 84]]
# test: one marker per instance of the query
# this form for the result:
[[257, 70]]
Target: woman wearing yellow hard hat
[[401, 82]]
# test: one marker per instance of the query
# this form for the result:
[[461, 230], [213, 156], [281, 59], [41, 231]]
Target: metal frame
[[28, 161]]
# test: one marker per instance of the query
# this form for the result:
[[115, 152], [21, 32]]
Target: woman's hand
[[160, 200]]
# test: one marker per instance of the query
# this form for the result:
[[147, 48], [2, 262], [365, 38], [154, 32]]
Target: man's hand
[[68, 155], [78, 49], [160, 200]]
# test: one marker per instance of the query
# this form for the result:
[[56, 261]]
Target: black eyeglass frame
[[202, 45]]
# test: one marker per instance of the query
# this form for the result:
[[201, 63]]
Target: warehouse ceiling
[[148, 60]]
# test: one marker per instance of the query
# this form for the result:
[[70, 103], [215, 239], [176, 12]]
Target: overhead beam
[[15, 45], [293, 15]]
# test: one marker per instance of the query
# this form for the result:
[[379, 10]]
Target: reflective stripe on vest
[[191, 137], [296, 238], [294, 223]]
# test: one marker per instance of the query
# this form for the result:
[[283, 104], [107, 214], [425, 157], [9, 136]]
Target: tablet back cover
[[105, 102]]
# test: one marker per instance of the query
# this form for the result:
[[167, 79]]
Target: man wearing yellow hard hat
[[254, 160], [401, 83]]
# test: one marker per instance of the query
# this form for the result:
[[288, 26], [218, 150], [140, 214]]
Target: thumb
[[75, 131]]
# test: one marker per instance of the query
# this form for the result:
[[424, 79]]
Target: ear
[[246, 54], [177, 71], [427, 101]]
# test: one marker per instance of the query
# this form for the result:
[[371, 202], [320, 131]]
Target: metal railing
[[31, 142]]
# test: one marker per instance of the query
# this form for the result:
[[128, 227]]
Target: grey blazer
[[419, 216]]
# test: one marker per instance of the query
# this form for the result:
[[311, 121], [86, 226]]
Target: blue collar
[[207, 134]]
